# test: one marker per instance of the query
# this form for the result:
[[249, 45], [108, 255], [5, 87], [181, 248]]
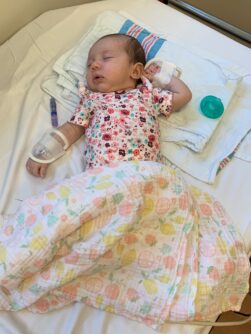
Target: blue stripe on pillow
[[150, 42]]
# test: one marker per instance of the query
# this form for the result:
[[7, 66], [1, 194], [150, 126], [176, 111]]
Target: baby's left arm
[[181, 93], [164, 75]]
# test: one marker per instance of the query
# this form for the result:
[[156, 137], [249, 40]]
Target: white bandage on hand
[[160, 72], [50, 147]]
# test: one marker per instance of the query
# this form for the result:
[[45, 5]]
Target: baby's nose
[[95, 65]]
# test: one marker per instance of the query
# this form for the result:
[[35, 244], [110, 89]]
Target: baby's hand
[[36, 168], [151, 70]]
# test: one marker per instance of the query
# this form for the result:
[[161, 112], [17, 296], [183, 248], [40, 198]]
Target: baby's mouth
[[98, 77]]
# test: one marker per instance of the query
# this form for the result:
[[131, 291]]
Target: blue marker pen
[[54, 114]]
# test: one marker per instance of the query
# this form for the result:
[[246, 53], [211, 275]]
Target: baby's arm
[[161, 74], [181, 93], [72, 132]]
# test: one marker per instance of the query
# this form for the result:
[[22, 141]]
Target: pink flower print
[[155, 99], [93, 284], [125, 112], [70, 291], [148, 188], [122, 121], [39, 263], [42, 305], [148, 321], [136, 152], [234, 299], [106, 137], [108, 254], [64, 218], [46, 274], [162, 182], [130, 238], [205, 209], [46, 209], [132, 294], [95, 171], [99, 202], [30, 220], [125, 208], [169, 262], [54, 302], [183, 270], [150, 239], [110, 151], [183, 201], [115, 144], [85, 217], [111, 156], [112, 291], [8, 230], [219, 209], [213, 273], [162, 205], [146, 259], [110, 110], [229, 267], [195, 265]]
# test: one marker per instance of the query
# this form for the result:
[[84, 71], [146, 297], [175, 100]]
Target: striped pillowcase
[[150, 42]]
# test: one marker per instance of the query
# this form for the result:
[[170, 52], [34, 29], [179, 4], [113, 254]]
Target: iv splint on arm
[[52, 145], [161, 72]]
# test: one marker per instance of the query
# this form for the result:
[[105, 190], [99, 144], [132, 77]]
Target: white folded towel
[[189, 127], [231, 130]]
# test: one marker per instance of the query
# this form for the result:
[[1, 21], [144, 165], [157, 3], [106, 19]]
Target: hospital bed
[[27, 61]]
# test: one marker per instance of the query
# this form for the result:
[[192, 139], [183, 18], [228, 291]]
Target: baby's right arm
[[72, 132]]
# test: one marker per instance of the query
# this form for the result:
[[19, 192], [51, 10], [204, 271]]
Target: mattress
[[36, 47]]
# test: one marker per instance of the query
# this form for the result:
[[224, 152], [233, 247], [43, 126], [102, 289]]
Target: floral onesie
[[122, 125]]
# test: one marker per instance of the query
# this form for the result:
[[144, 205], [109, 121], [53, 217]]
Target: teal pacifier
[[211, 106]]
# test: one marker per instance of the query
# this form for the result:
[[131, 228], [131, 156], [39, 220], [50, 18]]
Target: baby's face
[[108, 66]]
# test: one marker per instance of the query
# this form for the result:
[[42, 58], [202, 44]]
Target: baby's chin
[[99, 89], [105, 89]]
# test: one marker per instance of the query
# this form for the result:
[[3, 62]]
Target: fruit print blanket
[[132, 239]]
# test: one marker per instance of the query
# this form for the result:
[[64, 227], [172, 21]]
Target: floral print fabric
[[131, 239], [122, 125]]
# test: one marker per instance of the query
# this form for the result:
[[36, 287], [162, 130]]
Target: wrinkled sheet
[[131, 239]]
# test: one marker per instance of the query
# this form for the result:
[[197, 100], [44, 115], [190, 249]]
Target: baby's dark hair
[[133, 48]]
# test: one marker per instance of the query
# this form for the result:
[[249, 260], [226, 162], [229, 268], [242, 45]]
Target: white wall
[[16, 13]]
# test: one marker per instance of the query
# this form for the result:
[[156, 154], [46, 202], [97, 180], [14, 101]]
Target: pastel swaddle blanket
[[130, 239]]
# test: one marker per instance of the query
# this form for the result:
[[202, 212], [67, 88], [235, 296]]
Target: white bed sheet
[[18, 128]]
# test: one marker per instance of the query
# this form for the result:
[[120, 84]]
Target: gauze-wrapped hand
[[160, 72], [50, 147]]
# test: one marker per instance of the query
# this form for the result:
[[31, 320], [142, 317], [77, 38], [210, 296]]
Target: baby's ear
[[137, 71]]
